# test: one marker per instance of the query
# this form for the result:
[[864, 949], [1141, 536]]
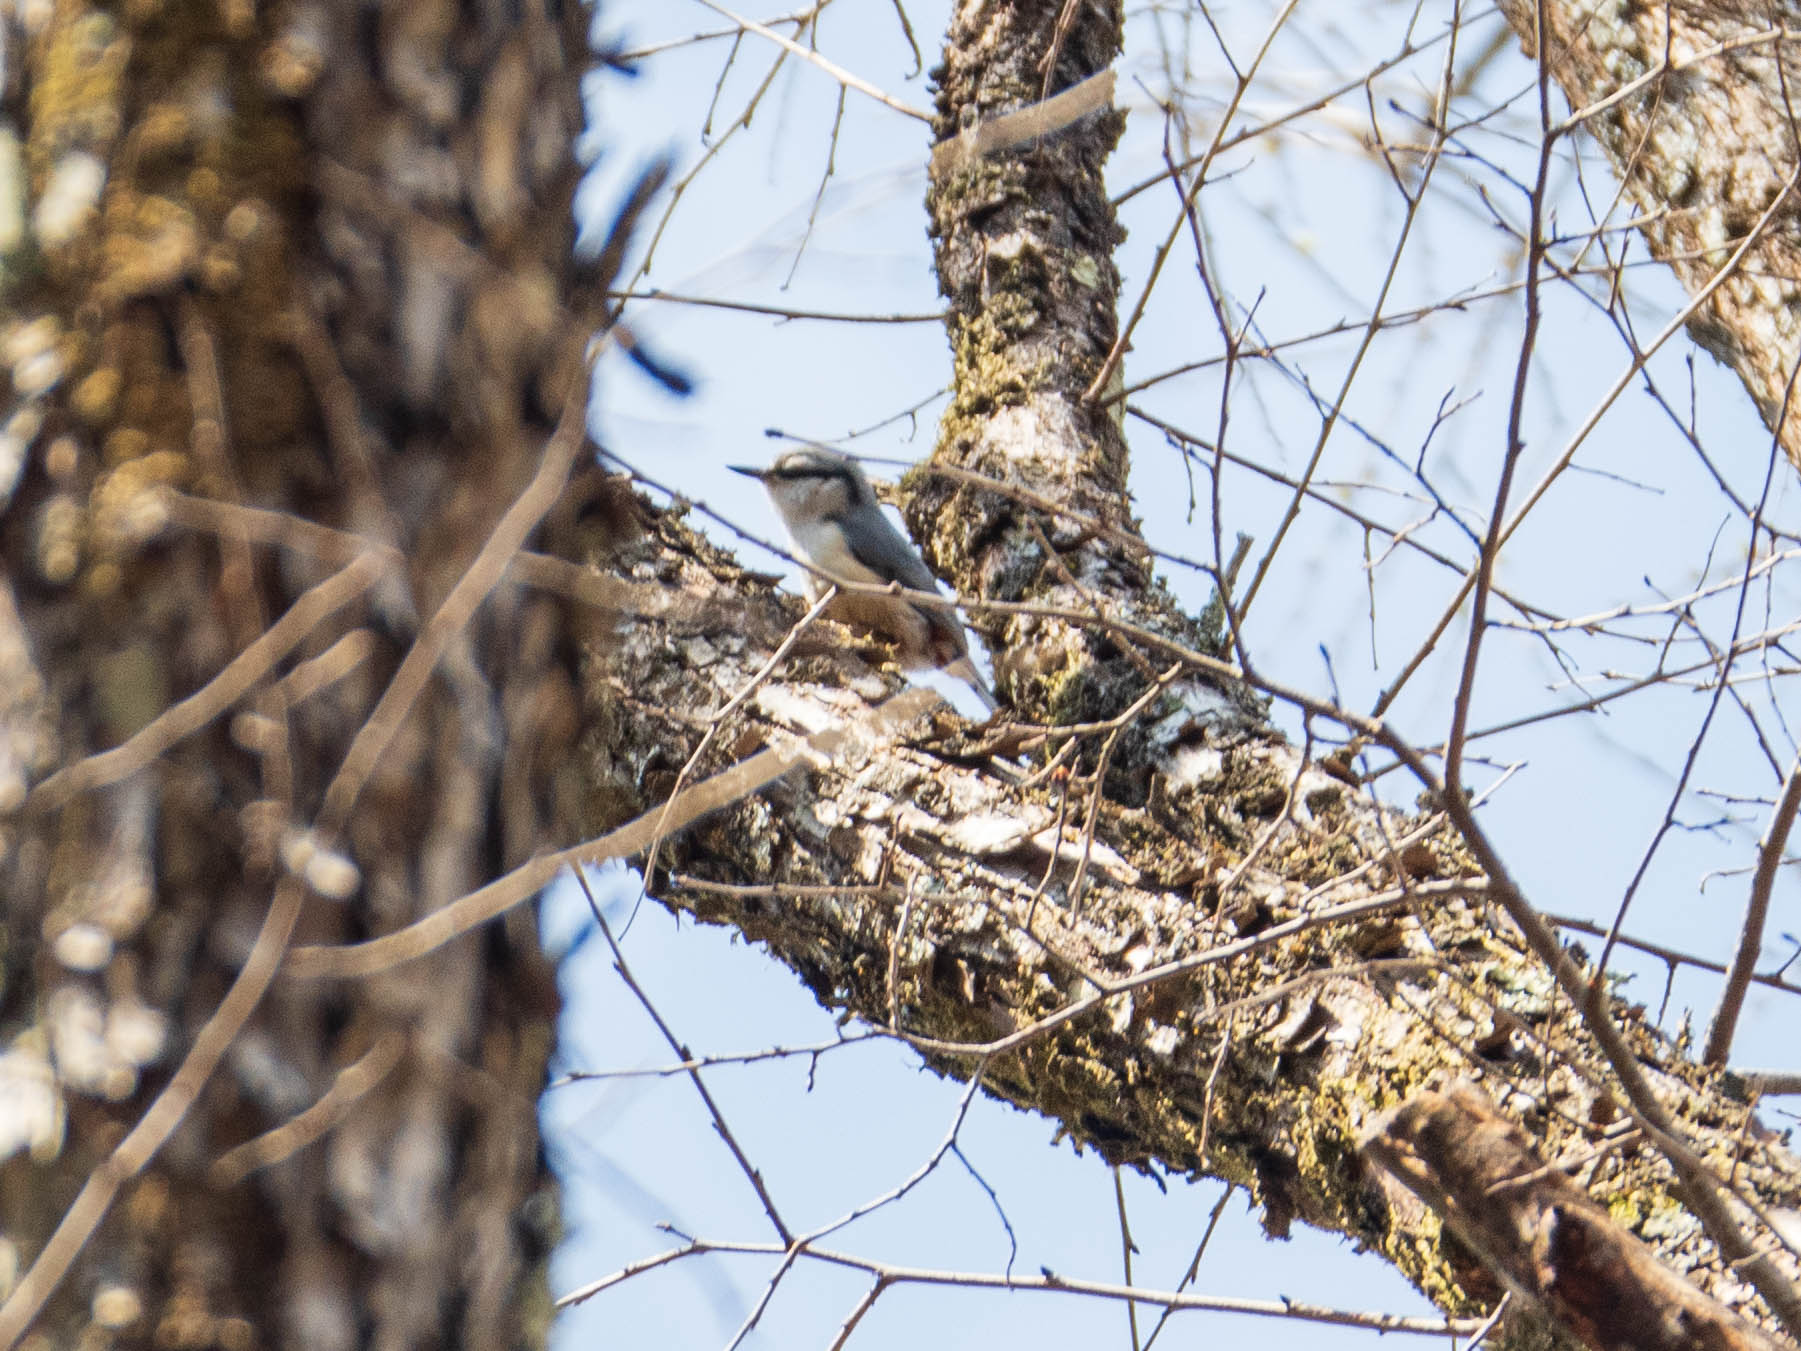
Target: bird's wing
[[887, 553]]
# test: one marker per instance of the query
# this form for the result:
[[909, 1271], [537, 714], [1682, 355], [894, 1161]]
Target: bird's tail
[[965, 670]]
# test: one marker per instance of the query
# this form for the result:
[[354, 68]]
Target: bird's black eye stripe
[[811, 471]]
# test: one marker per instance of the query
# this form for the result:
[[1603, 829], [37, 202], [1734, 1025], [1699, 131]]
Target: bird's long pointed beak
[[746, 470]]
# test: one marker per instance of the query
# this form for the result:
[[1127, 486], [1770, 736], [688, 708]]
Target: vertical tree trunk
[[310, 259]]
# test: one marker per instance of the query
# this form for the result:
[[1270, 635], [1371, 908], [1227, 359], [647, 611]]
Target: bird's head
[[813, 483]]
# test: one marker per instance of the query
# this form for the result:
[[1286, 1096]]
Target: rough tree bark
[[367, 244], [1692, 102], [306, 258]]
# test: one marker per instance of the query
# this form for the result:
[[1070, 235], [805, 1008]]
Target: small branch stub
[[1544, 1236]]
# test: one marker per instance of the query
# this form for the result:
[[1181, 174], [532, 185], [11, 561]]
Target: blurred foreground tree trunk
[[307, 259]]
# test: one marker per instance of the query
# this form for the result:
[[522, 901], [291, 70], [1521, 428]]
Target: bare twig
[[271, 1147], [837, 72], [1757, 909], [524, 882], [1048, 1284], [218, 694], [724, 1131]]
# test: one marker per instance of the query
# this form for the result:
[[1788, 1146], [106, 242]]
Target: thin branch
[[1048, 1283], [1126, 1249], [159, 1121], [1750, 943], [524, 882], [472, 588], [1490, 553], [271, 1147], [724, 1131], [240, 675], [779, 311], [811, 57]]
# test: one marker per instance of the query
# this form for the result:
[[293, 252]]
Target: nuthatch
[[838, 527]]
